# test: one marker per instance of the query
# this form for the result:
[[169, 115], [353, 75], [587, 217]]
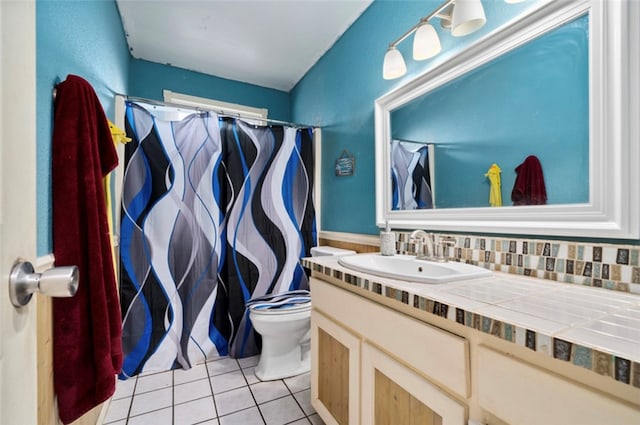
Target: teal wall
[[338, 94], [84, 38], [148, 79]]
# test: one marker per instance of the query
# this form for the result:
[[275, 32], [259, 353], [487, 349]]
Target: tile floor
[[224, 391]]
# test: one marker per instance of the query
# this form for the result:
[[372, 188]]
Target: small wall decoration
[[345, 164]]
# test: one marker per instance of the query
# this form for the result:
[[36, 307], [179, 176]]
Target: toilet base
[[277, 364], [272, 375]]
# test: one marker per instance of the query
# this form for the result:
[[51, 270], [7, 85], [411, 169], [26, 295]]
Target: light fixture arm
[[462, 17], [435, 14]]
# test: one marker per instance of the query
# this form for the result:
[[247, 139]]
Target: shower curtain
[[410, 176], [214, 211]]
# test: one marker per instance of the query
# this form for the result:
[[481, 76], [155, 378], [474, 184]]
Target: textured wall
[[148, 79], [84, 38], [338, 93]]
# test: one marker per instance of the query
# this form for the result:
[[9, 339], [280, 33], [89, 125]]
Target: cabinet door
[[393, 394], [335, 377]]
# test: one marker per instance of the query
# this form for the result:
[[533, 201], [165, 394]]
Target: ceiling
[[264, 42]]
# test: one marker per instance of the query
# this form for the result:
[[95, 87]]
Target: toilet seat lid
[[280, 308]]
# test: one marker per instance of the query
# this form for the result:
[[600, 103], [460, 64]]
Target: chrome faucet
[[431, 247], [424, 244]]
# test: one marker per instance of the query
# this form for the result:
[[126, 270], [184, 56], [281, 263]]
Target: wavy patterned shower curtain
[[215, 211], [410, 176]]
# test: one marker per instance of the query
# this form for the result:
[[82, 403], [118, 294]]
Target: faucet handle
[[447, 241], [419, 244], [443, 245], [419, 239]]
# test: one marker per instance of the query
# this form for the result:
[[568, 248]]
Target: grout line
[[173, 398], [135, 385], [215, 403], [264, 421], [150, 411]]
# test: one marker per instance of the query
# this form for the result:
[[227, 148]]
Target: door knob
[[54, 282]]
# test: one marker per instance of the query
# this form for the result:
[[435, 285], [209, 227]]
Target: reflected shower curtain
[[214, 212], [410, 176]]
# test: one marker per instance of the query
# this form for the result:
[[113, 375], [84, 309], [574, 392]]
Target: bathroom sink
[[407, 267]]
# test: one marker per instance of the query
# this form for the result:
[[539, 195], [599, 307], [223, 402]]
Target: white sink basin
[[407, 267]]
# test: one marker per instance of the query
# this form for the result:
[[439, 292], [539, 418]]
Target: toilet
[[284, 320]]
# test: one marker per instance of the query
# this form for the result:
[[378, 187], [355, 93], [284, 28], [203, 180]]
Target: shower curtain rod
[[220, 112]]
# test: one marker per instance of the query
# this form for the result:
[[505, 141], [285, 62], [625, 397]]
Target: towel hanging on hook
[[54, 92]]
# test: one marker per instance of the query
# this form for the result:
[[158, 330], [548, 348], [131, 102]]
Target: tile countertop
[[591, 327]]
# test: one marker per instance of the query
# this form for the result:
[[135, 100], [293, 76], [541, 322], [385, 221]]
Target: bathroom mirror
[[532, 100], [592, 165]]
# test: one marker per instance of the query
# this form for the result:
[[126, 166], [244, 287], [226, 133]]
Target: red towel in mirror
[[87, 347], [529, 188]]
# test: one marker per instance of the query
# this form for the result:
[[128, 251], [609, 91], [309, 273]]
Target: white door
[[18, 388]]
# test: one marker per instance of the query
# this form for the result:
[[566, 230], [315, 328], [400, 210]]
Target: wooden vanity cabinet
[[372, 365]]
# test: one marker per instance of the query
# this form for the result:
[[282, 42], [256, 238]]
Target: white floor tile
[[152, 400], [220, 366], [303, 421], [125, 388], [228, 381], [281, 411], [316, 420], [122, 422], [158, 417], [304, 399], [191, 391], [299, 383], [194, 411], [234, 400], [244, 417], [269, 390], [249, 361], [118, 409], [154, 382], [180, 376], [185, 397], [250, 375]]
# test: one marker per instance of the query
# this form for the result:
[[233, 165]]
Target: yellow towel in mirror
[[495, 193]]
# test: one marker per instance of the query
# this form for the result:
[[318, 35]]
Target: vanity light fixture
[[462, 17]]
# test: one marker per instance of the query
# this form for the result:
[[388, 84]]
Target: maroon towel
[[529, 188], [87, 348]]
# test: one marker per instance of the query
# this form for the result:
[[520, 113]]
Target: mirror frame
[[614, 131]]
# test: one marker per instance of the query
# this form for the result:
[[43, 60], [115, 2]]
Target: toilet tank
[[319, 251]]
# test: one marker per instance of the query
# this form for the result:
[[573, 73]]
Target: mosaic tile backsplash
[[609, 266]]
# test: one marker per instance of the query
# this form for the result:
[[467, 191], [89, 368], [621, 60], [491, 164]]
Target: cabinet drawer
[[522, 394], [435, 353]]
